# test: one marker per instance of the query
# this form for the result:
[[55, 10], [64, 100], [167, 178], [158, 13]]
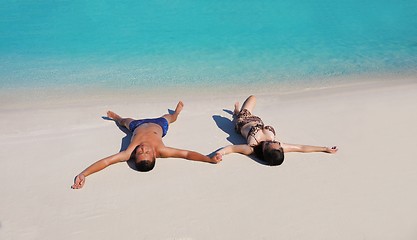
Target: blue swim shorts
[[160, 121]]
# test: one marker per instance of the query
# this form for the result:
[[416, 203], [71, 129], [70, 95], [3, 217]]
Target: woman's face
[[272, 145]]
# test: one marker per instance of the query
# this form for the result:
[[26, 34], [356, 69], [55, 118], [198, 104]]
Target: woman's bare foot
[[236, 111]]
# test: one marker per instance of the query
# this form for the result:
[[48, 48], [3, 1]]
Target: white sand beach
[[365, 191]]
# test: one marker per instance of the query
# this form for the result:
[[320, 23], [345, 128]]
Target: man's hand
[[216, 158], [79, 181]]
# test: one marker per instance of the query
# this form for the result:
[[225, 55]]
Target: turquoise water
[[182, 42]]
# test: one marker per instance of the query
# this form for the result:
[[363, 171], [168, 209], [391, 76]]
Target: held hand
[[78, 181], [216, 158], [331, 150]]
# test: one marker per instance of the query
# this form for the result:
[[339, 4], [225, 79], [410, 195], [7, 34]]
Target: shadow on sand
[[227, 125], [125, 141]]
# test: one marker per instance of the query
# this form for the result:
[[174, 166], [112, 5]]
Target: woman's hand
[[331, 150], [216, 158]]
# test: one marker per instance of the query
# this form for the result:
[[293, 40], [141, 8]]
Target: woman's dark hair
[[274, 157], [271, 156]]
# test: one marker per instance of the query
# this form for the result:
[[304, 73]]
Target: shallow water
[[184, 43]]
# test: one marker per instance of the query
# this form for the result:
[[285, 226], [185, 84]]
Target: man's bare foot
[[113, 116], [179, 107]]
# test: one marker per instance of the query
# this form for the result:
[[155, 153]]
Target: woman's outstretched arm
[[307, 149], [242, 149]]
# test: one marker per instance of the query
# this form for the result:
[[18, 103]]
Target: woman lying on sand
[[261, 140], [145, 146]]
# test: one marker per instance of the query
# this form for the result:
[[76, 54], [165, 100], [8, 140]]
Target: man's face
[[144, 152]]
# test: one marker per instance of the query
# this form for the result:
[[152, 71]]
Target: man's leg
[[121, 121], [173, 117]]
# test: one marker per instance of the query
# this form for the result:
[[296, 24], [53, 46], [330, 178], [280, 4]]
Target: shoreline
[[17, 98]]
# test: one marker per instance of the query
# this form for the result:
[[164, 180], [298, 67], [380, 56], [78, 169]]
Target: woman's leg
[[173, 117], [249, 103], [239, 117], [121, 121]]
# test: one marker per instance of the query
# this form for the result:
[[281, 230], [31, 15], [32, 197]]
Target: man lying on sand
[[261, 140], [145, 146]]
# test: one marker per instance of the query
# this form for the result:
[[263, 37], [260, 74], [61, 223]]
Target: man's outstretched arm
[[189, 155], [97, 166]]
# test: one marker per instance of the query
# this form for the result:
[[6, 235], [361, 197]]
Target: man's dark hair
[[142, 165], [273, 157], [145, 165]]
